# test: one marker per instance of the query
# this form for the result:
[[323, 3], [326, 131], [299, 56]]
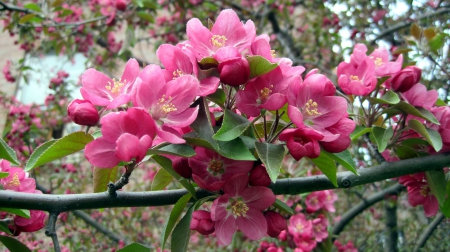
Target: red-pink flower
[[226, 31], [357, 79], [101, 90], [126, 136], [211, 170], [32, 224], [17, 180], [405, 79], [201, 221], [419, 193], [241, 207], [275, 223], [83, 112], [384, 67], [320, 226], [167, 102], [418, 95], [302, 142], [233, 68]]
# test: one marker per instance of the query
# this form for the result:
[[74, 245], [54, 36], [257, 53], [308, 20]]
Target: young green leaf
[[327, 166], [283, 207], [173, 218], [436, 182], [344, 158], [4, 228], [416, 111], [8, 153], [382, 136], [20, 212], [134, 247], [359, 131], [272, 157], [180, 236], [259, 66], [232, 127], [388, 98], [55, 149], [218, 97], [181, 150], [4, 174], [433, 137], [102, 177], [236, 150], [161, 180], [13, 245]]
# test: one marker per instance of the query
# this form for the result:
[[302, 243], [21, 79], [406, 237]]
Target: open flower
[[101, 90], [241, 207], [126, 136]]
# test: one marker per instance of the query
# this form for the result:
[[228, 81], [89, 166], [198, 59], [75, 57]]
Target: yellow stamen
[[311, 108], [165, 105], [15, 181], [239, 208], [354, 78], [265, 92], [378, 61], [272, 52], [218, 40], [115, 87], [177, 73], [215, 165]]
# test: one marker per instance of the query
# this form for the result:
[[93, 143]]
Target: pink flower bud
[[275, 223], [181, 166], [405, 79], [121, 5], [201, 221], [259, 176], [83, 112], [234, 72]]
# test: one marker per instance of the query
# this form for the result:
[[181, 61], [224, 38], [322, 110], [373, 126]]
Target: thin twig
[[428, 231], [50, 230], [123, 180]]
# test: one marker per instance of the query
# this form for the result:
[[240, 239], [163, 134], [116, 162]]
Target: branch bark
[[428, 231], [63, 203]]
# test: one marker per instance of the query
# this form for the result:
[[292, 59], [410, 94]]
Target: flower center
[[215, 166], [239, 208], [15, 181], [299, 227], [424, 190], [115, 87], [177, 73], [165, 105], [265, 92], [272, 52], [378, 61], [311, 108], [354, 78], [218, 40]]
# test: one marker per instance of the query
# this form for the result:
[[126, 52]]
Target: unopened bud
[[201, 221], [275, 223], [83, 112], [405, 79], [259, 176]]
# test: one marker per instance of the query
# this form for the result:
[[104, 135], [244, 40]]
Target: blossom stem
[[124, 179]]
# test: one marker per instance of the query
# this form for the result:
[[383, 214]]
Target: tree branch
[[63, 203], [428, 231], [401, 25], [363, 205]]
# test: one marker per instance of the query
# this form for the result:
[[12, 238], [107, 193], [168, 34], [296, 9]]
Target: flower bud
[[234, 72], [201, 221], [259, 176], [275, 223], [83, 112], [121, 5], [405, 79], [181, 166]]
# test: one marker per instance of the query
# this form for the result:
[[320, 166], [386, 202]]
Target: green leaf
[[327, 166], [20, 212], [272, 157], [102, 177], [436, 182], [236, 150], [181, 150], [359, 131], [440, 103], [344, 158], [134, 247], [173, 218], [208, 63], [146, 16], [8, 153], [437, 42], [382, 136], [416, 111], [202, 124], [4, 174], [13, 245], [4, 228], [259, 66], [233, 126], [161, 180], [388, 98], [26, 18], [55, 149], [433, 137], [181, 234], [446, 208], [33, 6], [283, 207], [166, 164], [218, 97]]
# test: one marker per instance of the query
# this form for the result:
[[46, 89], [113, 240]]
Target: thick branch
[[401, 25], [428, 231], [63, 203], [363, 205]]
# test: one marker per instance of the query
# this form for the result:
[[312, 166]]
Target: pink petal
[[258, 197], [236, 184], [101, 153], [225, 229], [253, 225], [131, 71], [208, 85]]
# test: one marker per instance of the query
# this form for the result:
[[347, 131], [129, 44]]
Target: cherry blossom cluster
[[19, 181]]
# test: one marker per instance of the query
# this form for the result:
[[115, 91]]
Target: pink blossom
[[302, 142], [83, 112], [17, 180], [442, 114], [226, 31], [357, 79], [418, 95], [275, 223], [101, 90], [7, 72], [233, 68], [405, 79], [259, 176], [320, 226], [383, 67], [126, 136], [300, 226], [419, 193], [211, 170], [167, 102], [241, 207], [343, 128], [32, 224], [201, 221]]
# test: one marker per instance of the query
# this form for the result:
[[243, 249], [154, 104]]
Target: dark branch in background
[[390, 208], [64, 203], [10, 7], [50, 229], [101, 42], [402, 25], [363, 205], [91, 221], [374, 150], [123, 180], [428, 231]]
